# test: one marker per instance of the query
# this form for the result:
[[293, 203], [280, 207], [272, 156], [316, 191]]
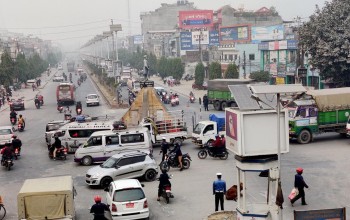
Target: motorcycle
[[20, 127], [37, 105], [13, 121], [171, 160], [60, 109], [61, 153], [7, 162], [166, 99], [166, 191], [79, 111], [17, 153], [173, 102], [192, 99], [215, 152]]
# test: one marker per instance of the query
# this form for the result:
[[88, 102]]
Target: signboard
[[235, 34], [302, 72], [200, 36], [186, 41], [190, 40], [214, 38], [279, 45], [196, 19], [275, 32], [280, 80], [138, 39], [323, 214]]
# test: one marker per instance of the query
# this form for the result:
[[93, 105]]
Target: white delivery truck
[[205, 131]]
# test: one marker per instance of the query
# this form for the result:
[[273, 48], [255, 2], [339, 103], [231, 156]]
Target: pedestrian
[[164, 148], [200, 101], [299, 183], [205, 102], [219, 190]]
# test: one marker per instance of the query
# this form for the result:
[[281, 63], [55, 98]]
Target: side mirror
[[143, 185], [116, 166], [106, 189]]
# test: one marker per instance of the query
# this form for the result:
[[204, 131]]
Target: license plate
[[129, 205]]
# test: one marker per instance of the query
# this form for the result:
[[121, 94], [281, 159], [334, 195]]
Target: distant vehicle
[[70, 66], [65, 94], [17, 104], [59, 67], [126, 74], [118, 167], [127, 200], [6, 133], [30, 82], [92, 99], [58, 79]]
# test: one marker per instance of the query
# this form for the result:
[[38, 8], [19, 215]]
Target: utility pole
[[200, 45], [244, 65]]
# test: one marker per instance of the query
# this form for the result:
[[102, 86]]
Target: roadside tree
[[215, 70], [232, 71], [260, 76], [199, 74]]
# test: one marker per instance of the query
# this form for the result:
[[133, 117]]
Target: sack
[[293, 193]]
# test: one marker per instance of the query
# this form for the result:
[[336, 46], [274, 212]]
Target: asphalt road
[[325, 162]]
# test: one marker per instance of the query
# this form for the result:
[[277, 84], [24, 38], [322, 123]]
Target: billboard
[[235, 34], [275, 32], [190, 40], [202, 36], [195, 19], [186, 41], [138, 39], [214, 38]]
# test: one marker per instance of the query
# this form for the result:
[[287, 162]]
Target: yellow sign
[[280, 80]]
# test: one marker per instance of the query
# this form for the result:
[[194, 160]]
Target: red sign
[[196, 19], [231, 125]]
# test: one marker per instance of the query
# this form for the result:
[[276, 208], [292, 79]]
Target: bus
[[65, 94]]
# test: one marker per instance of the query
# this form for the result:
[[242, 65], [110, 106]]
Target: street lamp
[[115, 28]]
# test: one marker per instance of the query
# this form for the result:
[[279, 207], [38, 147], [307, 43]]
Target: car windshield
[[5, 131], [130, 194], [198, 128], [110, 163], [92, 97]]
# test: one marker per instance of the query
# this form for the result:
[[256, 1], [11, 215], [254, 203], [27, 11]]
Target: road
[[325, 162]]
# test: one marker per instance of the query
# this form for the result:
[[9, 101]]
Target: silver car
[[92, 99], [126, 165]]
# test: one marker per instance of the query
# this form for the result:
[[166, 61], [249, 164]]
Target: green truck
[[219, 94], [318, 112]]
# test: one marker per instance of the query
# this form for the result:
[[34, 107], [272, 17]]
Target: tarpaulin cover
[[49, 206], [331, 99]]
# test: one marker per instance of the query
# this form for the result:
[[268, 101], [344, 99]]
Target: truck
[[219, 94], [70, 66], [205, 131], [47, 198], [319, 111], [65, 94]]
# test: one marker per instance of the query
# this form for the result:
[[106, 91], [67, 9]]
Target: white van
[[74, 134], [104, 144]]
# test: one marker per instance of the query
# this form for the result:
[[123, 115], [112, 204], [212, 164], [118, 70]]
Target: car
[[160, 90], [128, 164], [30, 82], [59, 67], [6, 133], [127, 200], [92, 99], [58, 79], [17, 104]]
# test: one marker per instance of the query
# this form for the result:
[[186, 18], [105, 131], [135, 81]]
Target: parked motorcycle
[[171, 160], [8, 163], [20, 127], [61, 153], [13, 121], [192, 99], [216, 152]]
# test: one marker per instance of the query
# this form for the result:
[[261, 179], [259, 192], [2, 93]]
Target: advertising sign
[[279, 45], [214, 38], [231, 125], [138, 39], [186, 41], [190, 40], [200, 36], [275, 32], [235, 34], [195, 19]]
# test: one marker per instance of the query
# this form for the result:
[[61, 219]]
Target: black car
[[17, 104]]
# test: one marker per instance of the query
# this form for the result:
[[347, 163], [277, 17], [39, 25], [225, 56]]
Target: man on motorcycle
[[164, 148], [6, 152], [223, 141], [216, 144], [57, 144], [191, 94], [178, 152], [13, 114], [36, 100], [16, 143], [21, 121], [78, 106], [99, 208], [163, 180]]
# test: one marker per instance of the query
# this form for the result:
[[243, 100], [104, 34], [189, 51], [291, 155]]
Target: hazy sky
[[73, 22]]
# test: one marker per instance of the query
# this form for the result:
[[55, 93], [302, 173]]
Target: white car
[[6, 133], [131, 164], [58, 79], [92, 99], [127, 200]]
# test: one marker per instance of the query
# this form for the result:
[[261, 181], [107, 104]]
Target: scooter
[[13, 121], [173, 102], [79, 111], [20, 127], [192, 99], [61, 153]]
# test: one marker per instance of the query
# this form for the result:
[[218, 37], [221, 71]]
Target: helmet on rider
[[14, 136], [97, 199], [222, 136], [299, 170]]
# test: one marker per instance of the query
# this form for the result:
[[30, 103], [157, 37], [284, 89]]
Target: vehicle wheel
[[304, 137], [186, 163], [8, 167], [150, 175], [202, 154], [105, 182], [224, 105], [178, 141], [86, 161], [217, 106], [64, 157], [167, 199], [164, 166], [224, 157], [233, 104]]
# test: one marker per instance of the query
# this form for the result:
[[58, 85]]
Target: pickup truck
[[205, 131]]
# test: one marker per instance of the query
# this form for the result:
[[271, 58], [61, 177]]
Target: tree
[[152, 63], [232, 71], [326, 37], [260, 76], [21, 68], [161, 66], [199, 74], [176, 68], [6, 69], [215, 70]]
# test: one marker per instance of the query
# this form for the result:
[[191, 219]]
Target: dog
[[231, 194]]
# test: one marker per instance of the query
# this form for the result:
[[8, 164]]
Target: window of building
[[252, 56], [230, 57]]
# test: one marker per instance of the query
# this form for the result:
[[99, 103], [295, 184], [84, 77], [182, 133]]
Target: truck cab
[[205, 131]]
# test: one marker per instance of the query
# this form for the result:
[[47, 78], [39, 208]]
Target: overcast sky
[[73, 22]]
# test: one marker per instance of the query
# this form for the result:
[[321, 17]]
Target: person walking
[[219, 190], [299, 183], [205, 102], [164, 148]]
